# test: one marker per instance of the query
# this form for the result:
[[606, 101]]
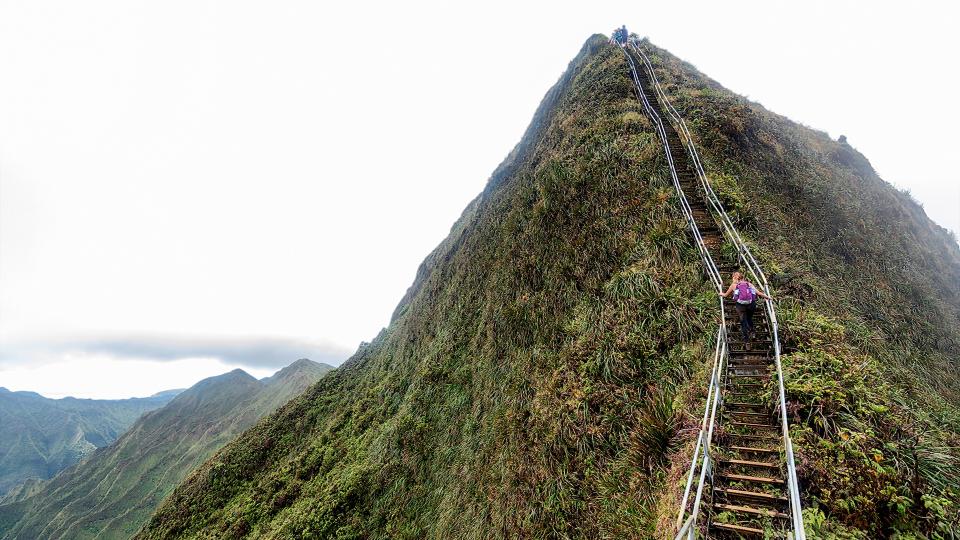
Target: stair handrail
[[704, 439], [712, 404], [711, 268], [743, 251], [753, 268]]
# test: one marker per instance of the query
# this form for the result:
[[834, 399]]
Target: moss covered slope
[[869, 294], [542, 376]]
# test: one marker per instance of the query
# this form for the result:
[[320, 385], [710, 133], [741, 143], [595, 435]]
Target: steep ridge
[[744, 477], [543, 375], [112, 494], [870, 291], [39, 436]]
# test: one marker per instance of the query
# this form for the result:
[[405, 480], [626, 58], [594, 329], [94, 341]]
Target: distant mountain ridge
[[40, 436], [114, 491]]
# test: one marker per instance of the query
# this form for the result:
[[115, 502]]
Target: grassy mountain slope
[[869, 293], [111, 494], [543, 375], [39, 436]]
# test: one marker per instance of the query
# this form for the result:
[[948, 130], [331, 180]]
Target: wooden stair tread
[[750, 463], [750, 510], [736, 528], [749, 424], [748, 478], [769, 437], [748, 413], [754, 449], [751, 494]]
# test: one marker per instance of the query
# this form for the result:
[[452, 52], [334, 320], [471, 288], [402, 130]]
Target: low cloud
[[253, 352]]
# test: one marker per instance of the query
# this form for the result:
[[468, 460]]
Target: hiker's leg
[[744, 321], [750, 310]]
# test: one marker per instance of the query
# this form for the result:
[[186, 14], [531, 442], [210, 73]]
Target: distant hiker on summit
[[745, 294], [620, 35]]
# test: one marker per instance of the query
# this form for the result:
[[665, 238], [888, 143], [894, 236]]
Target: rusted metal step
[[742, 416], [754, 360], [770, 437], [740, 395], [746, 414], [748, 463], [752, 425], [744, 405], [758, 367], [755, 343], [739, 529], [754, 449], [767, 498], [765, 512], [741, 385], [750, 478]]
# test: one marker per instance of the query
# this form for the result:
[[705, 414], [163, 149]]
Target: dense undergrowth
[[543, 376], [869, 295]]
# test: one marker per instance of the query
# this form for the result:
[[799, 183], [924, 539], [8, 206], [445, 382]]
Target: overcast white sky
[[191, 186]]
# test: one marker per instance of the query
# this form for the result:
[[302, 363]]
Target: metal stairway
[[742, 481]]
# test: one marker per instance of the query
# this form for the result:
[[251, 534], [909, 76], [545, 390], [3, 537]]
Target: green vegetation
[[39, 437], [544, 374], [113, 492], [869, 293]]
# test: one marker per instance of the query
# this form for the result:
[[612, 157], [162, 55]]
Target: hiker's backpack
[[745, 294]]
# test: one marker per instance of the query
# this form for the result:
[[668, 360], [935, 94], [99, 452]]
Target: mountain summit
[[543, 375]]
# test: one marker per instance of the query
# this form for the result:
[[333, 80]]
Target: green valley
[[114, 491], [39, 436]]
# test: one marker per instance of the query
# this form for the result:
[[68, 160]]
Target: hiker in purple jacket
[[745, 295]]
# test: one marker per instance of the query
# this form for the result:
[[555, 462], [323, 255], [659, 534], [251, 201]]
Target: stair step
[[748, 413], [764, 421], [752, 419], [748, 463], [741, 395], [739, 529], [749, 478], [742, 405], [755, 449], [750, 368], [752, 425], [750, 510], [757, 495], [755, 437]]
